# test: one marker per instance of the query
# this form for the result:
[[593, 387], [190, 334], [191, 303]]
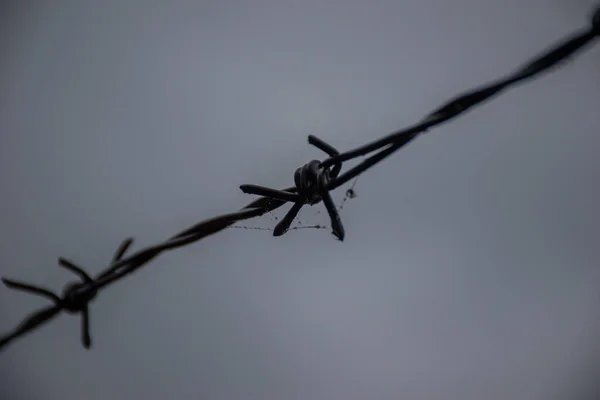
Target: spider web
[[309, 217]]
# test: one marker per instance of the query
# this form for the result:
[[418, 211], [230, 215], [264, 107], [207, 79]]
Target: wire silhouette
[[462, 103], [76, 298], [314, 181], [311, 187]]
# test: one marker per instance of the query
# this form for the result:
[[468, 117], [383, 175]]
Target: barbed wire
[[313, 182]]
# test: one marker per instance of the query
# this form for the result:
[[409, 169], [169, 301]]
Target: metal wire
[[76, 296]]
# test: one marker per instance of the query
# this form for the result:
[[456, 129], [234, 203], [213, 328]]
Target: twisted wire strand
[[121, 267], [194, 233], [125, 266], [463, 102]]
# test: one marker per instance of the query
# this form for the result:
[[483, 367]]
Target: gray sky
[[470, 265]]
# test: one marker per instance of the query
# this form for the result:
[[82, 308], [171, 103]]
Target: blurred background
[[470, 268]]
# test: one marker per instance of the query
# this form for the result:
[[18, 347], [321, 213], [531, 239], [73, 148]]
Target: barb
[[311, 188], [76, 298], [313, 181]]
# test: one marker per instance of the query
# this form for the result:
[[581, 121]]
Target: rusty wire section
[[313, 182]]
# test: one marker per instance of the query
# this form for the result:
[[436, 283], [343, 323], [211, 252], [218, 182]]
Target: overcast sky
[[470, 268]]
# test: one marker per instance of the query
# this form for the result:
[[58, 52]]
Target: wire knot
[[312, 180], [75, 299], [76, 296]]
